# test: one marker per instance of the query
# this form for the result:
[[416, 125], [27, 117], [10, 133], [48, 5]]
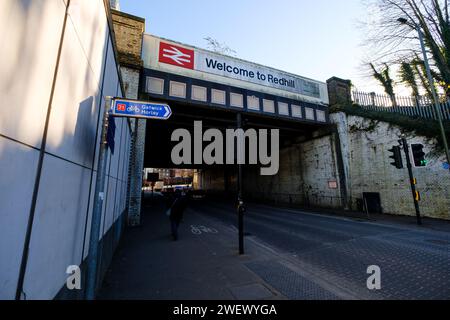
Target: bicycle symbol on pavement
[[198, 230]]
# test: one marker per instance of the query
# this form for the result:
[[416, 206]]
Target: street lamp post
[[431, 83]]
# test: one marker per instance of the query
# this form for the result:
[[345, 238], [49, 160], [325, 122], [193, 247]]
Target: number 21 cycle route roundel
[[141, 109]]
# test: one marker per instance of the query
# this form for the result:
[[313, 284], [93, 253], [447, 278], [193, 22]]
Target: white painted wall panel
[[99, 131], [108, 163], [111, 77], [73, 120], [28, 61], [89, 217], [27, 65], [109, 89], [18, 169], [89, 21], [109, 214], [56, 240], [118, 200]]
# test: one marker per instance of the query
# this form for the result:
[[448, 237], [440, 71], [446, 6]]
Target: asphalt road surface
[[337, 252]]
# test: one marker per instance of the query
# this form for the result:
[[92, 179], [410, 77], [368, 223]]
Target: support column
[[129, 31], [136, 173], [339, 91]]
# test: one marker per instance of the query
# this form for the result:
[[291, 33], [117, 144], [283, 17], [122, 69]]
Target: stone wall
[[308, 176], [365, 145], [334, 170]]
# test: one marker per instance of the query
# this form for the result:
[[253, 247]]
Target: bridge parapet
[[339, 91]]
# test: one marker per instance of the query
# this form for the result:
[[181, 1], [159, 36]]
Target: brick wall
[[335, 169], [306, 168], [365, 145], [130, 78], [129, 31]]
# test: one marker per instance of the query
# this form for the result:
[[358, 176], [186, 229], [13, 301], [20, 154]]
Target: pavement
[[202, 265], [290, 254]]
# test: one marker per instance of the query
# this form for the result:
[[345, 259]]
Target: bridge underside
[[303, 178], [158, 135]]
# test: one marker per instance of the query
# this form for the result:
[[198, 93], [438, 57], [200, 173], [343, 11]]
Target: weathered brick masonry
[[308, 175], [333, 169], [129, 31], [365, 145]]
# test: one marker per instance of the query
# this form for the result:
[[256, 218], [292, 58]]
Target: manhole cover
[[440, 242]]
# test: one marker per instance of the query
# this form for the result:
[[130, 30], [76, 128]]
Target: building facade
[[57, 69]]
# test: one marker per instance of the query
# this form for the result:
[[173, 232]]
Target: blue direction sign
[[141, 109]]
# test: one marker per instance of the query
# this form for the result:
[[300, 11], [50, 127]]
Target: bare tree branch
[[391, 42]]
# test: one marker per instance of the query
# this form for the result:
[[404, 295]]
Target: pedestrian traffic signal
[[418, 155], [397, 157]]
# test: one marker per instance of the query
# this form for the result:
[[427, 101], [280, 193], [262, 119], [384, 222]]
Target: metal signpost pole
[[241, 208], [97, 211], [119, 108], [412, 181]]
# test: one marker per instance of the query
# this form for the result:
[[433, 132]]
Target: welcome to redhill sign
[[172, 57]]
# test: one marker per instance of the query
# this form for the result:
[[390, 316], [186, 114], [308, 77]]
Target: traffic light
[[418, 155], [417, 196], [397, 157]]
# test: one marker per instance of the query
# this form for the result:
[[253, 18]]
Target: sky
[[316, 39]]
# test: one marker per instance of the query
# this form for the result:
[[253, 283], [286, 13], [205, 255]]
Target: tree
[[218, 47], [384, 78], [408, 77], [396, 42]]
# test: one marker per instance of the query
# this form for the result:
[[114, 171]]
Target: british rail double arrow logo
[[176, 55]]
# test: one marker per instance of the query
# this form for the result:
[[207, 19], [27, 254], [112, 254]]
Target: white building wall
[[27, 65], [60, 232]]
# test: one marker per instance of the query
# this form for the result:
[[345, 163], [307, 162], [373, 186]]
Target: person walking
[[176, 212]]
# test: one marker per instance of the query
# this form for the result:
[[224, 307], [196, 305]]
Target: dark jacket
[[178, 207]]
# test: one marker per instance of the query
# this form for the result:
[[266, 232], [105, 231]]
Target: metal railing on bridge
[[420, 106]]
